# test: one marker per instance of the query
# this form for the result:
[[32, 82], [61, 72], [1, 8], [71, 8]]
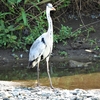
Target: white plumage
[[42, 46]]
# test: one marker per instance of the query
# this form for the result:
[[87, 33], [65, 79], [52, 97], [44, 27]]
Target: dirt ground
[[79, 49]]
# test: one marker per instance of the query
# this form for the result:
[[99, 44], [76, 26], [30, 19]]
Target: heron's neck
[[50, 25]]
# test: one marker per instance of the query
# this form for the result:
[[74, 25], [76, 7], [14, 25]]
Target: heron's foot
[[51, 87], [38, 85]]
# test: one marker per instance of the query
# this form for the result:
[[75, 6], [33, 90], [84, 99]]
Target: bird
[[42, 47]]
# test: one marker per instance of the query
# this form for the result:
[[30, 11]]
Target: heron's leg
[[38, 74], [47, 60]]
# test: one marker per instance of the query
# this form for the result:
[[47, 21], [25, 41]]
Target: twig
[[60, 14], [42, 2], [81, 16], [56, 4], [79, 9], [87, 25]]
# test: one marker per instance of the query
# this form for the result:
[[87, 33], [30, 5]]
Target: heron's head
[[50, 7]]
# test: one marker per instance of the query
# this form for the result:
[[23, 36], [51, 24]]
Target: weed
[[94, 42], [97, 47], [17, 17], [64, 33], [15, 20], [63, 53], [90, 29]]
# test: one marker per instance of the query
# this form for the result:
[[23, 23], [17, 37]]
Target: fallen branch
[[87, 25]]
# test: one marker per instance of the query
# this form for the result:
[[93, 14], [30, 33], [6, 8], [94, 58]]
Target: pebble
[[46, 93]]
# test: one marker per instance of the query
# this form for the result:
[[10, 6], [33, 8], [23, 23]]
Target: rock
[[5, 99], [74, 64], [46, 93]]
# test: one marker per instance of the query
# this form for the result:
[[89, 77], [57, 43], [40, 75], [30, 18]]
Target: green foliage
[[63, 53], [94, 42], [65, 33], [24, 17], [6, 35], [37, 30], [14, 21], [65, 3], [12, 2], [21, 22]]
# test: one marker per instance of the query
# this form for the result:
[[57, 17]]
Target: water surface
[[83, 81]]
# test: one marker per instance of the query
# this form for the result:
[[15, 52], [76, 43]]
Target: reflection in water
[[68, 78], [83, 81]]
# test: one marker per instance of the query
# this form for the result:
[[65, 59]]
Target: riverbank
[[9, 59], [11, 91]]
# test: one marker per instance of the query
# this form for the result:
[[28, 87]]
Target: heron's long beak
[[53, 8]]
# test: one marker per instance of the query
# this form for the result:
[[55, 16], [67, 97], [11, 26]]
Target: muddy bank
[[9, 59]]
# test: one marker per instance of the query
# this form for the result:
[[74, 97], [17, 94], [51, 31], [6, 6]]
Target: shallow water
[[66, 78], [83, 81]]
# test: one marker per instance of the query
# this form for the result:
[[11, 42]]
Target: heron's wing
[[37, 49]]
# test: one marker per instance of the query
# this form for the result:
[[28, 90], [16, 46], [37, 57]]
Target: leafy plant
[[17, 19], [18, 15], [63, 53], [65, 33], [94, 42], [7, 38], [65, 3], [12, 2]]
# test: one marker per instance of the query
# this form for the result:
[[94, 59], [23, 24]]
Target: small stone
[[21, 55], [45, 93], [5, 99]]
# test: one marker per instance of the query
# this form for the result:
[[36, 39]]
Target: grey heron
[[42, 46]]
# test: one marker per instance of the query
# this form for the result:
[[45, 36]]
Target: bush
[[22, 21]]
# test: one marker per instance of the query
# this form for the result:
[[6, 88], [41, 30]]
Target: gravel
[[8, 92]]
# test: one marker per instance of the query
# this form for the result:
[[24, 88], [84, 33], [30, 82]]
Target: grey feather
[[36, 49]]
